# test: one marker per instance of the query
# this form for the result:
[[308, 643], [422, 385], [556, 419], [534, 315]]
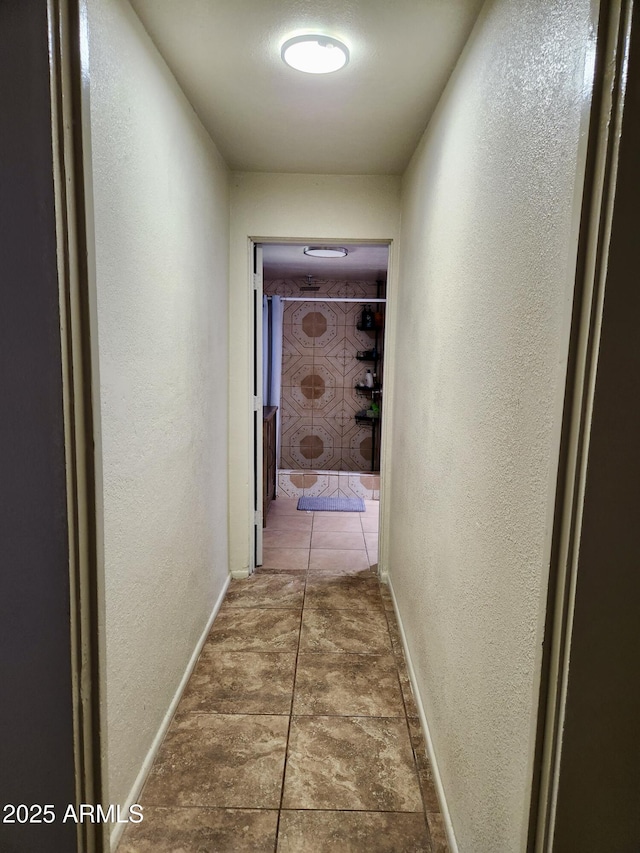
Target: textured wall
[[277, 207], [489, 213], [161, 215]]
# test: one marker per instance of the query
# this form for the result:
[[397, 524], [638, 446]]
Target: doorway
[[320, 351]]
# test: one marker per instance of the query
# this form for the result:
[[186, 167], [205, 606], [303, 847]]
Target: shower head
[[309, 286]]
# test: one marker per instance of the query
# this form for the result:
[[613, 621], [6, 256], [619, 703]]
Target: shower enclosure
[[329, 409]]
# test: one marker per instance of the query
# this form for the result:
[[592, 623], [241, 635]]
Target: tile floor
[[298, 731]]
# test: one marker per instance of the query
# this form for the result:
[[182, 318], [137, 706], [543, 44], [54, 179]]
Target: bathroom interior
[[323, 369]]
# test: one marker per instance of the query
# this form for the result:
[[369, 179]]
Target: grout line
[[293, 693]]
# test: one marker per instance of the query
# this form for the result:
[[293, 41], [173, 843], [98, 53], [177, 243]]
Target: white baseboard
[[155, 746], [240, 574], [444, 809]]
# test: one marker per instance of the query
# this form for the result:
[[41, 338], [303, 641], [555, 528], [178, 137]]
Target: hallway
[[302, 672]]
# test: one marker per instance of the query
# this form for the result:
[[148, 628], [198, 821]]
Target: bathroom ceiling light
[[315, 54], [325, 251]]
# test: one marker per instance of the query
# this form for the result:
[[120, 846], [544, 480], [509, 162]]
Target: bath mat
[[332, 504]]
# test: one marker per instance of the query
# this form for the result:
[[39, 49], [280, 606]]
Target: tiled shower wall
[[319, 373]]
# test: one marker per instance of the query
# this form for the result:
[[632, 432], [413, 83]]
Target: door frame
[[72, 170], [612, 47], [256, 405], [255, 452]]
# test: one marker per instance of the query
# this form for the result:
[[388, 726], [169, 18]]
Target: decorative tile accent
[[320, 371], [297, 482], [326, 485]]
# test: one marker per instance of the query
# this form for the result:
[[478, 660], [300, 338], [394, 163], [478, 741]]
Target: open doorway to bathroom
[[323, 358]]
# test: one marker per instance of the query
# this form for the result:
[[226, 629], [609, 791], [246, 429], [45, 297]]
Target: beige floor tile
[[284, 506], [289, 522], [254, 630], [357, 631], [240, 683], [342, 521], [352, 832], [338, 561], [266, 591], [371, 542], [167, 830], [220, 760], [319, 513], [342, 592], [360, 763], [347, 684], [351, 541], [285, 558], [286, 538], [370, 523]]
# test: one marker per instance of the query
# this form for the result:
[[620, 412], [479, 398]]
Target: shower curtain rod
[[325, 299]]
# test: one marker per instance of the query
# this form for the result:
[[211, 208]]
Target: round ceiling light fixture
[[326, 251], [315, 54]]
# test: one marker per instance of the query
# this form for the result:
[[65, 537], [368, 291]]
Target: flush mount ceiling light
[[315, 54], [325, 251]]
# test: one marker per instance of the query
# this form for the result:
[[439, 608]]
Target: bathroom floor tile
[[358, 631], [240, 683], [342, 592], [348, 685], [277, 539], [371, 543], [359, 763], [167, 830], [352, 832], [285, 558], [370, 523], [284, 506], [266, 591], [345, 522], [338, 561], [288, 522], [254, 630], [222, 760], [338, 540]]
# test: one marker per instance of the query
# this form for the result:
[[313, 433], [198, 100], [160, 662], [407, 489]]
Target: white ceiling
[[264, 116], [363, 263]]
